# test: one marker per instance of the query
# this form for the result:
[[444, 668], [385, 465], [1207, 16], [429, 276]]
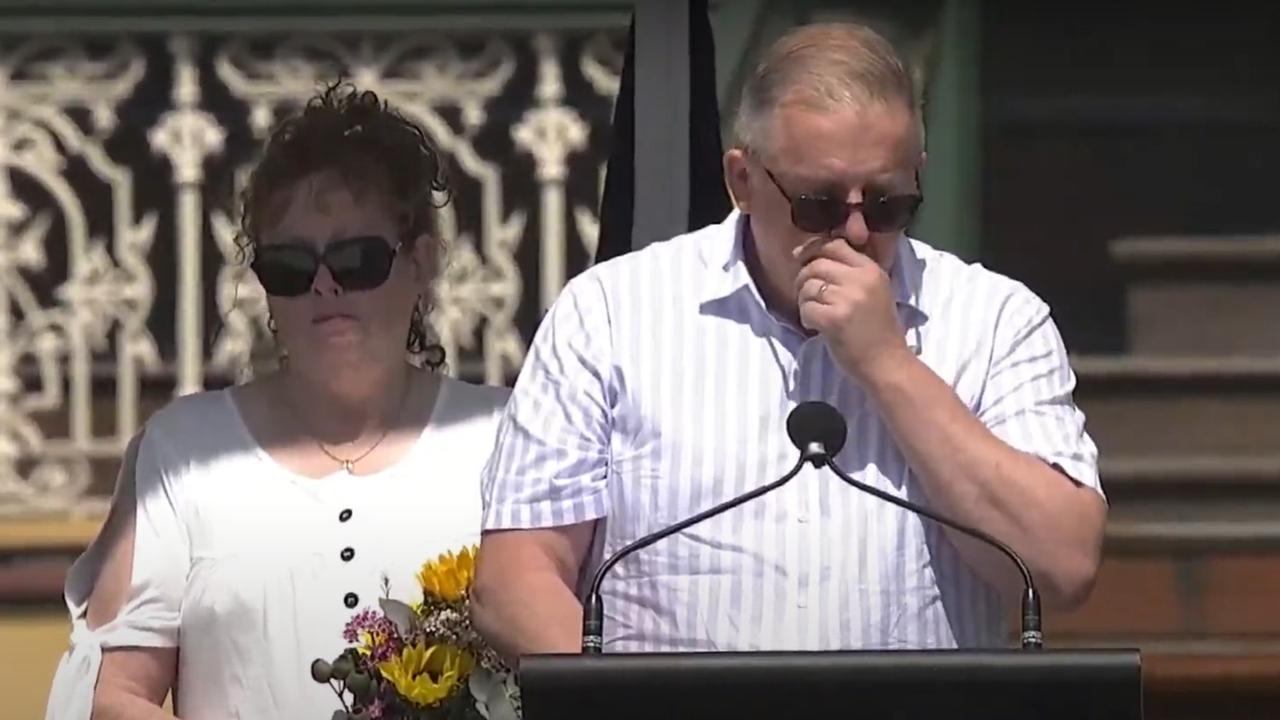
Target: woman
[[257, 520]]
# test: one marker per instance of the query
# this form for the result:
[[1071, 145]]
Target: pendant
[[347, 465]]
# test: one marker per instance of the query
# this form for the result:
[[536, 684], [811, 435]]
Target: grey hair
[[824, 66]]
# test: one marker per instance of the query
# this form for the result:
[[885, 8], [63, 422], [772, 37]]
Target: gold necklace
[[348, 464]]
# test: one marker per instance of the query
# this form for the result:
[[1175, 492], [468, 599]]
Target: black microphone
[[593, 608], [813, 432], [815, 425]]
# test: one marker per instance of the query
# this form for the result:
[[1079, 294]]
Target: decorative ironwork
[[121, 284]]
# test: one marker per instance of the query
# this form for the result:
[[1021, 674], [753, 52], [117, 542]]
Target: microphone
[[593, 609], [814, 432], [814, 426]]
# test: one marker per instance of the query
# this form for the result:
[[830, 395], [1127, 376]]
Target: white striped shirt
[[659, 385]]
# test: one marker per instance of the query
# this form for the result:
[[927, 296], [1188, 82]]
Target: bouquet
[[422, 661]]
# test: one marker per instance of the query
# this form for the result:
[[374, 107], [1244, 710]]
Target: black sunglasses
[[821, 214], [359, 263]]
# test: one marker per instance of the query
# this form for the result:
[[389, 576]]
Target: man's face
[[850, 156]]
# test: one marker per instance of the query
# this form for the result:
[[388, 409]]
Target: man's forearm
[[971, 475], [537, 615]]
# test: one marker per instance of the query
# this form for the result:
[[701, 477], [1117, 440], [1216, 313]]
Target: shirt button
[[345, 515], [802, 603], [347, 554], [802, 519], [351, 600]]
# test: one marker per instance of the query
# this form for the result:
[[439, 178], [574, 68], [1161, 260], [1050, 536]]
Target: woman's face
[[359, 315]]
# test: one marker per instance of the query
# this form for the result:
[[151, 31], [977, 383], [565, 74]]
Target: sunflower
[[427, 675], [449, 576]]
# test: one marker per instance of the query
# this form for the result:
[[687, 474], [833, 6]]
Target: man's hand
[[964, 470], [846, 296]]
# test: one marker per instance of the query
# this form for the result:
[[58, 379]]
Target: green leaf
[[491, 695], [399, 613]]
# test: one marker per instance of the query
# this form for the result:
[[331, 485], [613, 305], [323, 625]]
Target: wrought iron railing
[[120, 155]]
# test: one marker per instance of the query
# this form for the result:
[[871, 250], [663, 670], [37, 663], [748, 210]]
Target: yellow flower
[[370, 640], [367, 641], [449, 576], [426, 676]]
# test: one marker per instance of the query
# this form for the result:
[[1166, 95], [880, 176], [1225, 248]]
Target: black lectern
[[880, 685]]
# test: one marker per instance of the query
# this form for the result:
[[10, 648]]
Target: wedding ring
[[822, 289]]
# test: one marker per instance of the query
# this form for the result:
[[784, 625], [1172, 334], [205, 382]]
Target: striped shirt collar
[[723, 251]]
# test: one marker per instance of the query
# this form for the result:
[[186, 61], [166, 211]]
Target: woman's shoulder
[[468, 413], [196, 431], [459, 398], [193, 415]]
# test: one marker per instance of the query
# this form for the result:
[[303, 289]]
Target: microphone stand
[[1031, 637], [593, 608]]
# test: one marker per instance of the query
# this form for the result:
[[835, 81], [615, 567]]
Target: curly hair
[[358, 136]]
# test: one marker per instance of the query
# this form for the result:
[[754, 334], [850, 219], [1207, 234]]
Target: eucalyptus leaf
[[483, 687], [400, 614], [501, 708], [491, 694]]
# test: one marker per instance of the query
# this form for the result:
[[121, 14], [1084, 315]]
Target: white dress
[[253, 570]]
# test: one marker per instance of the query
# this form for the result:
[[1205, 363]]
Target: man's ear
[[737, 178]]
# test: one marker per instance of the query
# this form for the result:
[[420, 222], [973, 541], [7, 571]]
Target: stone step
[[1179, 503], [1188, 602], [1210, 685], [1176, 406], [1213, 295], [1205, 623]]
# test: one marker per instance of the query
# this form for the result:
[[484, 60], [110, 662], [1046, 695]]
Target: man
[[659, 385]]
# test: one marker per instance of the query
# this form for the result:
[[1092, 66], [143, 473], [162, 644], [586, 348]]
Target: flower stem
[[339, 690]]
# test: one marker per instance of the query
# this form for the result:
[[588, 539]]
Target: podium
[[878, 685]]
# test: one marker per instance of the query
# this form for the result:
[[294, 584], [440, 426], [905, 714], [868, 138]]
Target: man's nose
[[854, 230]]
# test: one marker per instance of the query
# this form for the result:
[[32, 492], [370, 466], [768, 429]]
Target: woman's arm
[[132, 682]]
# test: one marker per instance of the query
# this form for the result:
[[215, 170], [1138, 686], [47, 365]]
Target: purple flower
[[375, 633], [361, 622], [385, 644]]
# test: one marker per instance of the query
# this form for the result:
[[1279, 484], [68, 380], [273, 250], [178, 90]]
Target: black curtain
[[708, 200]]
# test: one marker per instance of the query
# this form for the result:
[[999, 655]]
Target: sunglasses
[[359, 263], [821, 214]]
